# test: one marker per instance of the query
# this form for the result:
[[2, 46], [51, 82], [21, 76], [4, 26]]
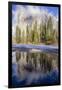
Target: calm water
[[34, 68]]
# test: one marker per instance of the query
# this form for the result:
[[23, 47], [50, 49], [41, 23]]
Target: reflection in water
[[37, 61], [33, 65]]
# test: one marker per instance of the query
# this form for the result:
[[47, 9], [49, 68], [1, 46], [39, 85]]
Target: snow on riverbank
[[48, 48]]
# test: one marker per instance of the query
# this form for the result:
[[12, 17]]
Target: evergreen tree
[[35, 33], [50, 29], [23, 37], [18, 35], [27, 34], [40, 32]]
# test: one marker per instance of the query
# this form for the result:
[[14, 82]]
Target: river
[[34, 68]]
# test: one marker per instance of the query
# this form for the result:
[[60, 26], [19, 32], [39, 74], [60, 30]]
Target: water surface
[[34, 68]]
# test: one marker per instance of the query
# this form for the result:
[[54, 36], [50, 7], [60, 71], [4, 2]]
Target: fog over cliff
[[24, 15]]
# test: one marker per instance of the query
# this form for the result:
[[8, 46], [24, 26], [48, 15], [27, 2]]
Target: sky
[[28, 11], [54, 10]]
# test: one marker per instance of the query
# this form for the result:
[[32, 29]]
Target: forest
[[42, 33]]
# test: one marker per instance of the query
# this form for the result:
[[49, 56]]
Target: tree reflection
[[27, 58], [45, 61], [18, 55]]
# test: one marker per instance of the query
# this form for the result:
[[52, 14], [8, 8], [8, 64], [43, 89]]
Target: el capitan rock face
[[31, 14]]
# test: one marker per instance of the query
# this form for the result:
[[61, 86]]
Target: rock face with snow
[[31, 15]]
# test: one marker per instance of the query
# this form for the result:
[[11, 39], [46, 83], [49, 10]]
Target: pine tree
[[23, 37], [40, 32], [18, 35], [50, 36], [35, 32], [27, 34]]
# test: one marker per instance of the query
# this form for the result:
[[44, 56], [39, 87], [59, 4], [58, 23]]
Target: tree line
[[44, 33]]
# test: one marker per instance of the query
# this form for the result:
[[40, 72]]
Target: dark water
[[34, 68]]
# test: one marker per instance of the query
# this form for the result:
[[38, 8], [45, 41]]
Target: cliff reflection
[[38, 62]]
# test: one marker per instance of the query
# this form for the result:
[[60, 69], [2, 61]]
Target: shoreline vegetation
[[37, 33], [54, 44]]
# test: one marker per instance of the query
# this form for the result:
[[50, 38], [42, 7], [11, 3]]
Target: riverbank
[[27, 47]]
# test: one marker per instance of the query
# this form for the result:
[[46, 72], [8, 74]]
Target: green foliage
[[27, 34], [23, 36], [18, 35], [44, 33]]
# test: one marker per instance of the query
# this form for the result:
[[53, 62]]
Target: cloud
[[26, 12]]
